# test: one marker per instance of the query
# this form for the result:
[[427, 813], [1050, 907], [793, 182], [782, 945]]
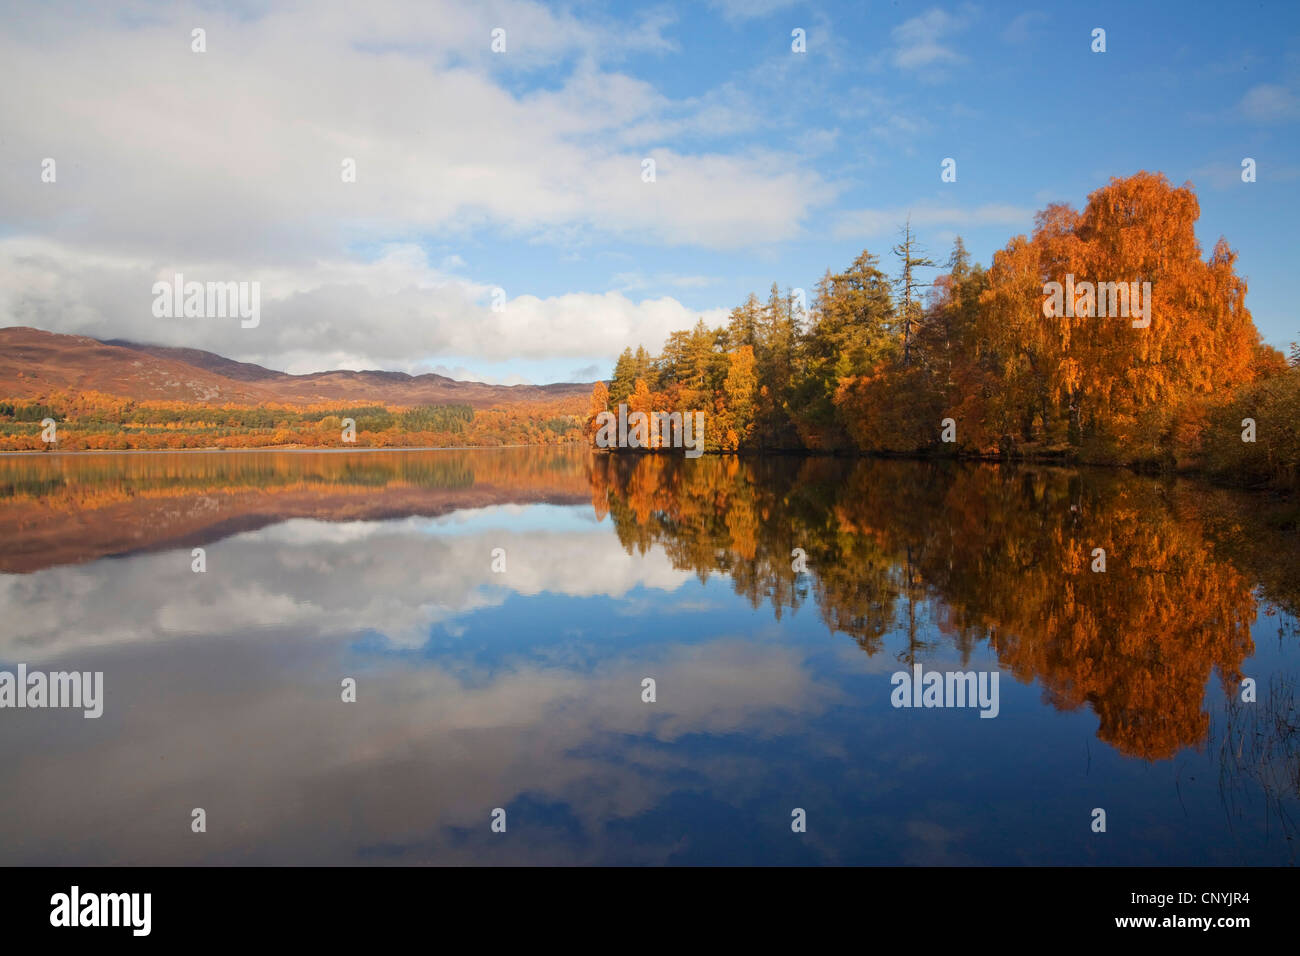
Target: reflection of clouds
[[256, 734], [637, 607], [398, 578], [509, 517], [931, 844]]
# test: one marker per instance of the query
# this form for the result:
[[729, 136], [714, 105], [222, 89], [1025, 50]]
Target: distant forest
[[89, 420], [877, 363]]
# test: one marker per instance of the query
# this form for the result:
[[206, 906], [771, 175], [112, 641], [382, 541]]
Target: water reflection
[[1005, 558], [521, 689]]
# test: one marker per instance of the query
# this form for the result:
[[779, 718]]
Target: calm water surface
[[522, 689]]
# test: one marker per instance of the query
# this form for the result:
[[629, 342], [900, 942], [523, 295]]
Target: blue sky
[[521, 170]]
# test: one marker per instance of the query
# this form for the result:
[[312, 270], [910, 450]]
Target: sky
[[501, 226]]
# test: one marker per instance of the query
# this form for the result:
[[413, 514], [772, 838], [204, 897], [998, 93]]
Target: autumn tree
[[850, 333], [630, 366], [599, 403], [898, 406], [743, 322], [736, 404], [1115, 388]]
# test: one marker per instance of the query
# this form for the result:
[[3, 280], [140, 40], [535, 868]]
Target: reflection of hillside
[[989, 554], [69, 509]]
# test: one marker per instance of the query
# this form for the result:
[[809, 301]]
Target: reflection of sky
[[523, 690], [397, 578], [470, 521]]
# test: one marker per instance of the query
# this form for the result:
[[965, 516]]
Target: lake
[[498, 614]]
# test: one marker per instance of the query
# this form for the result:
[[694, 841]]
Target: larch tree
[[599, 403], [909, 286], [739, 391]]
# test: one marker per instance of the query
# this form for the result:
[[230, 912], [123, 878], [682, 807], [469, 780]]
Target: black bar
[[654, 907]]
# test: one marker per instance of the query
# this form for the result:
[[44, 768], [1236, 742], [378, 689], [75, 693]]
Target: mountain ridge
[[35, 362]]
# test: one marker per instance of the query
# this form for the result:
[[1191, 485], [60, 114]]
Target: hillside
[[35, 363]]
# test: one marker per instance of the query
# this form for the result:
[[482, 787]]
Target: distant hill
[[34, 362]]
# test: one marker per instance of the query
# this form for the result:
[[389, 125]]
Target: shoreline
[[305, 449], [1050, 461], [1053, 461]]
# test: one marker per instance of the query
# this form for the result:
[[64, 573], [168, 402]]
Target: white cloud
[[395, 311], [1270, 103], [240, 151], [638, 281], [1021, 29], [750, 9], [922, 40], [864, 223], [230, 168]]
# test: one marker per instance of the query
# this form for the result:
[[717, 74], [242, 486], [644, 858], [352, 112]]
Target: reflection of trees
[[970, 555], [89, 480], [73, 508]]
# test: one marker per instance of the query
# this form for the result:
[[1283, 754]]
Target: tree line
[[89, 420], [973, 364]]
